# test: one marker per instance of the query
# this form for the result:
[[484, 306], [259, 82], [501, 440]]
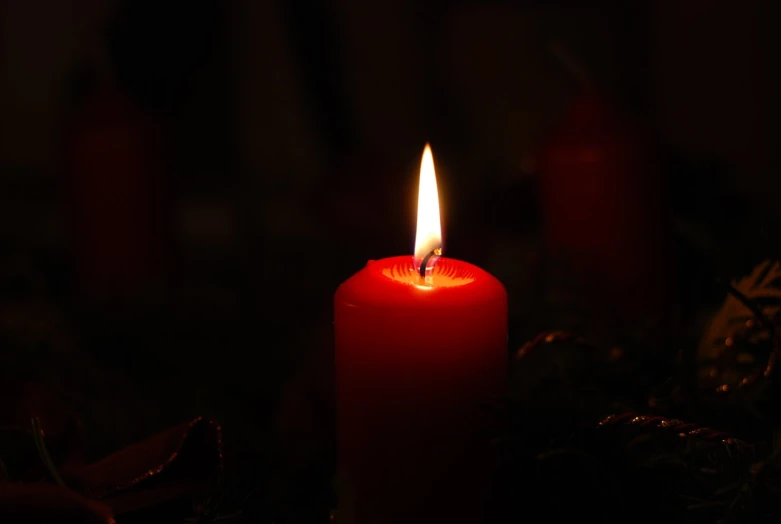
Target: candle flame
[[428, 237]]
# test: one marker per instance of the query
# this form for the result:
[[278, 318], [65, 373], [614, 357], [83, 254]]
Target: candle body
[[415, 366], [602, 208], [114, 161]]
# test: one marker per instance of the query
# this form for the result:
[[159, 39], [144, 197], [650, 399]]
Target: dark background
[[291, 134]]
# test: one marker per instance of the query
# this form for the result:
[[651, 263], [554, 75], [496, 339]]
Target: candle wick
[[424, 263]]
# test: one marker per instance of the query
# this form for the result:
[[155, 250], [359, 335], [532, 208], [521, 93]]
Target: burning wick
[[424, 263]]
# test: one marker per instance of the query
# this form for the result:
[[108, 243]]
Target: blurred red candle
[[418, 354], [602, 207], [114, 159]]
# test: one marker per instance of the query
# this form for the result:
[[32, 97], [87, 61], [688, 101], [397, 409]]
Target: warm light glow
[[428, 238]]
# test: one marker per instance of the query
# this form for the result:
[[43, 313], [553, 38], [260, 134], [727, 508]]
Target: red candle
[[114, 161], [418, 354], [602, 207]]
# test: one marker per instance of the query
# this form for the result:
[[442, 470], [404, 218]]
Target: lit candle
[[421, 345]]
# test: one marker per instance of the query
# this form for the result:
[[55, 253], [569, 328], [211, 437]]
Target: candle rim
[[371, 287]]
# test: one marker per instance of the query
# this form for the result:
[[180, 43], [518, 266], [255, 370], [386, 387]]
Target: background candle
[[602, 208], [415, 364], [115, 163]]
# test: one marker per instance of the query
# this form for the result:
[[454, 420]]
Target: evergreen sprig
[[43, 452]]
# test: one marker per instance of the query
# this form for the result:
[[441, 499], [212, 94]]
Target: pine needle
[[40, 445], [741, 306]]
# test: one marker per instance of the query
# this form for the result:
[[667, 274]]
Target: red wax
[[415, 365], [114, 161], [602, 207]]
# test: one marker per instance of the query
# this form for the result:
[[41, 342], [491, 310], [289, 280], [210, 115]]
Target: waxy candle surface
[[415, 364], [602, 208]]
